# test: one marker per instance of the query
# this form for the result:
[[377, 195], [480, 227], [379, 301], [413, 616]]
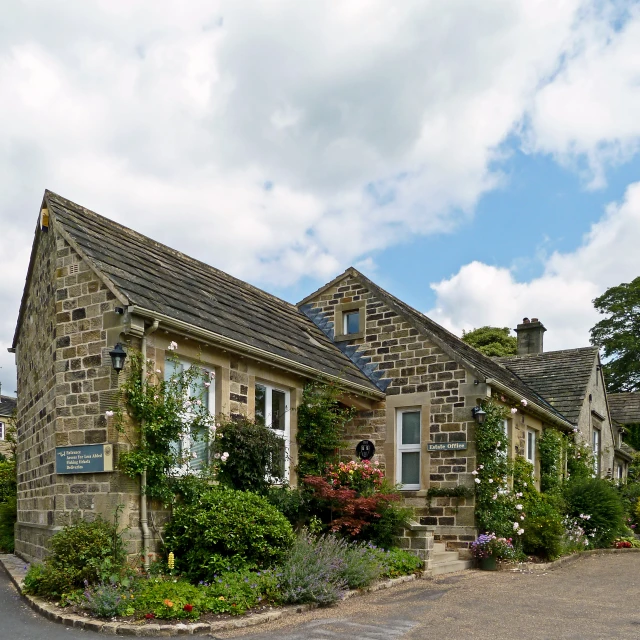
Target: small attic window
[[351, 322]]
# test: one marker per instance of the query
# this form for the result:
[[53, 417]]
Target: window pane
[[199, 449], [278, 409], [352, 322], [410, 468], [261, 404], [411, 427]]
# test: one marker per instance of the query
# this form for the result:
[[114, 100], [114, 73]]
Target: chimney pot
[[530, 334]]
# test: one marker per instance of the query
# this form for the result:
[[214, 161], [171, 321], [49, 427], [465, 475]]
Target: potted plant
[[488, 549]]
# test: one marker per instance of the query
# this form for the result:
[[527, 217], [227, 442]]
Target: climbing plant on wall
[[552, 449], [495, 503], [321, 420]]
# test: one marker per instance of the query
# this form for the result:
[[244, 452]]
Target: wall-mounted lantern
[[118, 356], [478, 414]]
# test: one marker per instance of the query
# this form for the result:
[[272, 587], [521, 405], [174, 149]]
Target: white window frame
[[2, 431], [186, 441], [268, 410], [407, 448], [596, 444], [620, 472], [530, 449]]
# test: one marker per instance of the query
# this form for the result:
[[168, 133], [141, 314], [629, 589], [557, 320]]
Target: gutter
[[564, 424], [144, 517], [242, 348]]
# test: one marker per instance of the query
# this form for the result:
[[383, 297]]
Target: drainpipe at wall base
[[144, 517]]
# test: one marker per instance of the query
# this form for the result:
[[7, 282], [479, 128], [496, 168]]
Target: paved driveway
[[597, 597]]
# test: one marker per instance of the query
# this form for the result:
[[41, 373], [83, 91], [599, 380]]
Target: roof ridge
[[180, 254]]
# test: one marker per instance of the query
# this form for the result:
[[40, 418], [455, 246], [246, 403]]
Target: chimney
[[530, 334]]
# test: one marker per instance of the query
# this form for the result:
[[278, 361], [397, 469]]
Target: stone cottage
[[93, 283]]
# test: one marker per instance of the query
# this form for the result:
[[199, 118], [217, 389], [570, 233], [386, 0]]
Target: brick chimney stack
[[530, 334]]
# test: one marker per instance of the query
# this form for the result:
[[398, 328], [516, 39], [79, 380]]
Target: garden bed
[[208, 623]]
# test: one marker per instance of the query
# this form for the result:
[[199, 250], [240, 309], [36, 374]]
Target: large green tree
[[619, 335], [492, 341]]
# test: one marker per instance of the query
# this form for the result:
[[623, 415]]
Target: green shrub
[[86, 551], [398, 562], [226, 530], [8, 518], [598, 499], [254, 460], [543, 530], [293, 504], [108, 599]]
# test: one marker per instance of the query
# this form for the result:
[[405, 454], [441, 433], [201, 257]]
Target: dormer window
[[351, 322]]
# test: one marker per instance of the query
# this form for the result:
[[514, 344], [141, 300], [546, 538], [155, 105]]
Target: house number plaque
[[365, 449]]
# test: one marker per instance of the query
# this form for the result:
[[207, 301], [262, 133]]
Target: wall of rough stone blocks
[[414, 366], [65, 385]]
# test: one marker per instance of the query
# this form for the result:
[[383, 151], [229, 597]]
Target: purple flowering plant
[[489, 545]]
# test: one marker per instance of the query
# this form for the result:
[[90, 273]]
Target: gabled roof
[[625, 407], [560, 377], [161, 280], [7, 406], [486, 368]]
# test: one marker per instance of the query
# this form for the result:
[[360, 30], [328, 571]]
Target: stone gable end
[[414, 372], [65, 381]]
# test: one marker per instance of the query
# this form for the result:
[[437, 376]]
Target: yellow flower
[[221, 598], [168, 603], [171, 560]]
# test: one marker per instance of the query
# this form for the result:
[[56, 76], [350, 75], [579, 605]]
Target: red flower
[[188, 608], [149, 616]]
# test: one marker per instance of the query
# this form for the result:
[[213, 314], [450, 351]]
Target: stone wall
[[65, 385], [416, 372]]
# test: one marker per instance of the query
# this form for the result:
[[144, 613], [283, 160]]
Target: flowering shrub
[[626, 543], [376, 517], [321, 569], [363, 477], [575, 536], [489, 545]]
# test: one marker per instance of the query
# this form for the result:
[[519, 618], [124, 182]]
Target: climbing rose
[[108, 413], [514, 410], [524, 402], [172, 346]]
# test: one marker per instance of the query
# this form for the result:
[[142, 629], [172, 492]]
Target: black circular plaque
[[365, 449]]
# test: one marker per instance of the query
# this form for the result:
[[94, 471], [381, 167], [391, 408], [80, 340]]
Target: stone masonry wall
[[413, 366], [66, 384]]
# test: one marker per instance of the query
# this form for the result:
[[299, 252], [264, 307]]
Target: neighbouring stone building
[[7, 417], [93, 283]]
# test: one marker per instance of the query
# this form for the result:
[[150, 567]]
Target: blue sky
[[479, 160]]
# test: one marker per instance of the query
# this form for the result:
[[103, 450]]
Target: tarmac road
[[594, 598]]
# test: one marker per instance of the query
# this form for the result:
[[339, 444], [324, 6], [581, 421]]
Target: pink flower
[[514, 410], [172, 346], [108, 414], [524, 402], [207, 384]]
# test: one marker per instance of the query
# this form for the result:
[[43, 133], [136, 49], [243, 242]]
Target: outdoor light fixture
[[118, 356], [478, 414]]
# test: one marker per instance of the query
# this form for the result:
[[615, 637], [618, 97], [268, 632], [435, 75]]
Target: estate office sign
[[85, 458], [446, 446]]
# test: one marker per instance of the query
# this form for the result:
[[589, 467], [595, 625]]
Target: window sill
[[349, 336]]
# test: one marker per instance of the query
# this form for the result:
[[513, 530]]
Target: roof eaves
[[367, 388]]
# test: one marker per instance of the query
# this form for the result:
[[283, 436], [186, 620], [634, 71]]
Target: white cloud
[[283, 139], [481, 294], [588, 112]]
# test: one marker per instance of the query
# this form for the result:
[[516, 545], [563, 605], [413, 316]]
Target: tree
[[619, 336], [492, 341]]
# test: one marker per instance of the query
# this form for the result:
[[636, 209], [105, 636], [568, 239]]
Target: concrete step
[[439, 546], [438, 569], [444, 556]]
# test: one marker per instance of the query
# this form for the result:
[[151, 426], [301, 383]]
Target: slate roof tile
[[625, 407], [7, 406], [560, 377], [158, 278]]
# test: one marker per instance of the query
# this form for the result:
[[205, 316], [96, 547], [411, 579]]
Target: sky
[[480, 160]]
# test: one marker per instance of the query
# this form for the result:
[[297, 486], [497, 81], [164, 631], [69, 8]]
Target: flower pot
[[488, 564]]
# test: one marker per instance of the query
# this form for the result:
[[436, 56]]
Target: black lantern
[[118, 356], [478, 414]]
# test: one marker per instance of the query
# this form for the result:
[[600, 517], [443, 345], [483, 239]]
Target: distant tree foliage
[[492, 341], [619, 336]]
